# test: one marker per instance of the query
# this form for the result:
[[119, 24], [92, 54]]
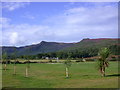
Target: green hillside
[[84, 48], [92, 46], [43, 47]]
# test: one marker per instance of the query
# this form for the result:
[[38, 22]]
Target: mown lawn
[[82, 75]]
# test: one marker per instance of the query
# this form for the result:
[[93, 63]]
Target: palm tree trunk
[[101, 71], [5, 66], [14, 69], [67, 73], [26, 72], [104, 71]]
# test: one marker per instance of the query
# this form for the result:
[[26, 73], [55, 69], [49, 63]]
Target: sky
[[26, 23]]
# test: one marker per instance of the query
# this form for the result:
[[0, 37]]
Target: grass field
[[82, 75], [0, 76]]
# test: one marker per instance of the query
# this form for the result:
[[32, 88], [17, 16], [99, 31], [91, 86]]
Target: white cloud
[[4, 21], [23, 34], [13, 37], [71, 26], [75, 10], [13, 5], [28, 15], [81, 22]]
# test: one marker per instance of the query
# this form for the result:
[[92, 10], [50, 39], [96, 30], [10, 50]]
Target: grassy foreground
[[82, 75], [0, 76]]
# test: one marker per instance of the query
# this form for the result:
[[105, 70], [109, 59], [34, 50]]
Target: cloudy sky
[[30, 23]]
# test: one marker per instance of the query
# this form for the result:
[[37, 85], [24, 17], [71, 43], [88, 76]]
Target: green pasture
[[82, 75]]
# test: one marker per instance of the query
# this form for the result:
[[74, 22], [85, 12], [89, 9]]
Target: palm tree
[[103, 61], [27, 66], [26, 71], [14, 57], [67, 65]]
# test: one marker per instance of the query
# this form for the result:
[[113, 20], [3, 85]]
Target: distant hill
[[85, 45], [42, 47], [94, 43], [92, 46]]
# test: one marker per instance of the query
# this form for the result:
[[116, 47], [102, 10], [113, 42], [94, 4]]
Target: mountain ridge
[[45, 47]]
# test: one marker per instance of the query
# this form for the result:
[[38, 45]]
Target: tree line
[[72, 54]]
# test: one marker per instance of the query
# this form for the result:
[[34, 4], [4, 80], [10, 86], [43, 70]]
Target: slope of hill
[[42, 47], [86, 45], [90, 47], [93, 43]]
